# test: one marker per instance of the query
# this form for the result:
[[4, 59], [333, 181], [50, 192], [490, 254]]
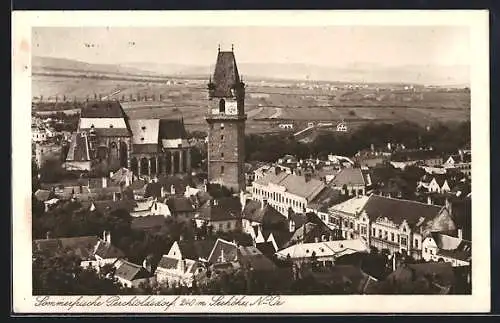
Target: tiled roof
[[348, 176], [78, 148], [195, 249], [109, 132], [130, 271], [452, 246], [461, 213], [226, 74], [226, 208], [281, 237], [145, 148], [102, 109], [266, 215], [110, 205], [253, 257], [145, 131], [168, 263], [294, 184], [43, 195], [224, 248], [171, 129], [180, 204], [138, 184], [266, 248], [323, 249], [398, 210], [147, 222], [351, 206], [352, 276], [442, 271], [107, 250], [326, 198], [80, 246]]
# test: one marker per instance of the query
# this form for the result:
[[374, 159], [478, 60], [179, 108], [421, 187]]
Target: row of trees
[[443, 137]]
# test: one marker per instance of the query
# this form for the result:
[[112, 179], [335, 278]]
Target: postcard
[[250, 162]]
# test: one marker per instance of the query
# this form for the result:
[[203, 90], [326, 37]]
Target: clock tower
[[226, 124]]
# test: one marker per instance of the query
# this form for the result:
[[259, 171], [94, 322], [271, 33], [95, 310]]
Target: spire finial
[[218, 49], [232, 47]]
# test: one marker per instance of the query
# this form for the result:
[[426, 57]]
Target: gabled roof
[[452, 247], [294, 184], [130, 271], [110, 205], [226, 74], [80, 246], [266, 215], [145, 131], [349, 177], [352, 277], [325, 199], [196, 249], [109, 132], [167, 262], [171, 129], [224, 248], [180, 204], [323, 249], [106, 250], [227, 208], [43, 195], [102, 109], [398, 210], [148, 222], [253, 258], [144, 148], [351, 206]]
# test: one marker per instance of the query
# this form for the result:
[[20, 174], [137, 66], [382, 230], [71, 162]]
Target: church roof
[[103, 109], [225, 74], [145, 131], [171, 129]]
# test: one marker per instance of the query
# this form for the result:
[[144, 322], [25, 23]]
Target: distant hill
[[432, 75]]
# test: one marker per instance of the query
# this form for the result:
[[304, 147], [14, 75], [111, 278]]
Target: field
[[267, 104]]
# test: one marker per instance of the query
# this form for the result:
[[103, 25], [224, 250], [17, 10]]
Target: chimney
[[181, 237], [215, 202], [104, 235], [429, 200], [110, 174], [104, 182], [115, 196], [307, 177], [263, 203], [460, 234], [172, 189], [316, 239], [182, 265], [127, 180], [162, 191], [48, 235], [146, 264], [243, 200], [447, 205], [291, 226]]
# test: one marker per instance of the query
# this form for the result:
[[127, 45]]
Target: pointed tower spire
[[232, 47], [218, 49]]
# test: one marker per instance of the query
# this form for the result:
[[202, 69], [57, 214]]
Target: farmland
[[267, 103]]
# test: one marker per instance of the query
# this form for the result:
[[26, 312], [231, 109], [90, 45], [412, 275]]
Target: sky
[[325, 46]]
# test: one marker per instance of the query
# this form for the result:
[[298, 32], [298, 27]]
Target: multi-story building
[[393, 224], [287, 191]]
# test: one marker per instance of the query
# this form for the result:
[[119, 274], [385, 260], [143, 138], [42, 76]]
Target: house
[[351, 181], [439, 184], [261, 215], [150, 223], [108, 206], [345, 279], [387, 223], [138, 188], [182, 263], [445, 248], [94, 252], [311, 231], [324, 200], [150, 207], [460, 161], [223, 214], [223, 252], [167, 185], [325, 252], [182, 208], [251, 258], [132, 275], [284, 191]]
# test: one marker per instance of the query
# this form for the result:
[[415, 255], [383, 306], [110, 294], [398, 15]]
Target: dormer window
[[111, 126], [222, 106], [142, 139], [143, 127], [92, 126]]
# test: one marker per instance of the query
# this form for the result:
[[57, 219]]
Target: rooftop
[[349, 176], [294, 184], [103, 109], [226, 74]]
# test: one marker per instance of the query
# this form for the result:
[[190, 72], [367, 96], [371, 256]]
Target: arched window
[[222, 106]]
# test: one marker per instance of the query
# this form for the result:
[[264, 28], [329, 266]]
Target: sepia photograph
[[223, 163]]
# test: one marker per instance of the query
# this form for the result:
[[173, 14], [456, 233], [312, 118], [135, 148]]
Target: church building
[[107, 139], [226, 124]]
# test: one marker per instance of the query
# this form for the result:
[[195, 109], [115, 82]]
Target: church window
[[222, 155], [222, 169], [142, 139], [222, 106], [392, 236], [92, 126], [221, 137], [143, 127]]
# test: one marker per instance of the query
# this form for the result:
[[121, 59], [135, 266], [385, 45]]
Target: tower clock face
[[231, 107]]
